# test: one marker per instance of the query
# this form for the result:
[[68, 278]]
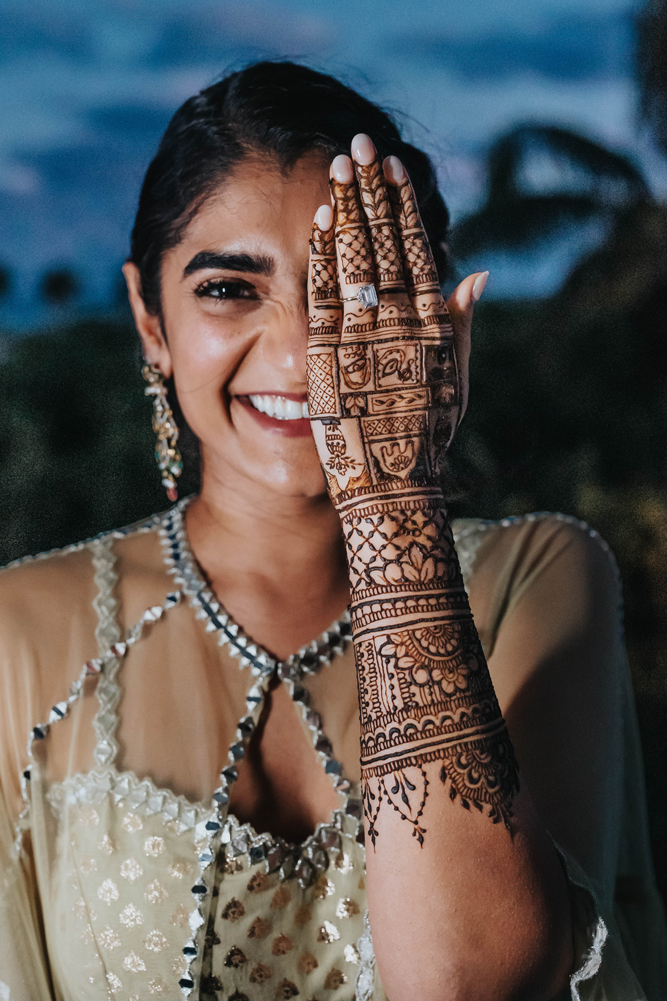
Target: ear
[[149, 326]]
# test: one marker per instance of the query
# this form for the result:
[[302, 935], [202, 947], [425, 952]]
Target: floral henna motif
[[384, 399], [425, 689]]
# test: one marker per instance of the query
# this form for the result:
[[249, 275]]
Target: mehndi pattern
[[386, 400]]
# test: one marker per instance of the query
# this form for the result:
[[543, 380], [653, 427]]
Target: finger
[[421, 275], [353, 250], [461, 306], [324, 318], [379, 216]]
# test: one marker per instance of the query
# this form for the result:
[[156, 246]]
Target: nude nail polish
[[479, 286], [394, 170], [324, 218], [363, 149], [341, 168]]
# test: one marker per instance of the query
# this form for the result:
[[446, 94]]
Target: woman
[[323, 392]]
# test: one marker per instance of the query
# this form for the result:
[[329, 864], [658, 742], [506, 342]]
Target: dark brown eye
[[225, 288]]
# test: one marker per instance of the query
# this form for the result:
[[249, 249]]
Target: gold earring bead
[[167, 455]]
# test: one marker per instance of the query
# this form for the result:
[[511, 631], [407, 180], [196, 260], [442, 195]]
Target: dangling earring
[[167, 455]]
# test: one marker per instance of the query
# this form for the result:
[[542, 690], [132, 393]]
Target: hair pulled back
[[280, 109]]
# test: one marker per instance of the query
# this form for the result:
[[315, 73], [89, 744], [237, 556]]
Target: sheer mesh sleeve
[[547, 600]]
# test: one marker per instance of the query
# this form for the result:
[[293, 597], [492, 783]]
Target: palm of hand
[[383, 388]]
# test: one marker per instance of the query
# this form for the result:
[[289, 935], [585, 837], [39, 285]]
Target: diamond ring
[[366, 295]]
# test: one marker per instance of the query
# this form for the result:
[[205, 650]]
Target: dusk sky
[[88, 88]]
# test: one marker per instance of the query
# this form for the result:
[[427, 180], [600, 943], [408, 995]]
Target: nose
[[285, 339]]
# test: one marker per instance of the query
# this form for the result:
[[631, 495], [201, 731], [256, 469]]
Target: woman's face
[[234, 304]]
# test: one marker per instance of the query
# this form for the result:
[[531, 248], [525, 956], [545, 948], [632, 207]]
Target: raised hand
[[384, 399], [384, 392]]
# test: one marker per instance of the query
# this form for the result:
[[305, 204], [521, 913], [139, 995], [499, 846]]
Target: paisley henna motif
[[384, 401]]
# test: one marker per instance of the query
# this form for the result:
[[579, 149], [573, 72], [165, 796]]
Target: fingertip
[[478, 286], [363, 149], [394, 170], [324, 218], [341, 169]]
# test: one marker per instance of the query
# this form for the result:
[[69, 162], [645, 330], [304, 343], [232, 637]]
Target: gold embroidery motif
[[303, 916], [157, 986], [179, 868], [346, 908], [235, 958], [351, 954], [87, 935], [233, 910], [131, 869], [154, 846], [155, 941], [260, 928], [322, 888], [107, 891], [108, 938], [343, 863], [132, 823], [258, 882], [286, 989], [155, 892], [334, 980], [107, 845], [88, 816], [131, 916], [232, 865], [307, 963], [282, 945], [281, 898], [80, 908], [88, 866], [134, 963], [114, 983], [180, 916], [179, 966], [260, 973], [328, 933]]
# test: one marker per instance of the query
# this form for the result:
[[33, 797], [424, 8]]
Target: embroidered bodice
[[146, 889]]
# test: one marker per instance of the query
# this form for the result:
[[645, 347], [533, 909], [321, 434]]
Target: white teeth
[[279, 407]]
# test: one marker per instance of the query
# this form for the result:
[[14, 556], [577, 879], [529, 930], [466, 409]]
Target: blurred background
[[547, 120]]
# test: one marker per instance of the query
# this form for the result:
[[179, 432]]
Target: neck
[[276, 562]]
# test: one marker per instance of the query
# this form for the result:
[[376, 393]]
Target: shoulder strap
[[107, 633]]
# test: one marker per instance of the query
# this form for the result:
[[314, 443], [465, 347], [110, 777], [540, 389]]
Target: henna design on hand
[[380, 220], [384, 400], [355, 255]]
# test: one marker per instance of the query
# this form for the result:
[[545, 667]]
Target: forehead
[[260, 202]]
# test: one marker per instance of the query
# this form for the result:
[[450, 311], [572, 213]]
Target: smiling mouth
[[279, 407]]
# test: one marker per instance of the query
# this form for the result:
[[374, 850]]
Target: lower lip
[[299, 428]]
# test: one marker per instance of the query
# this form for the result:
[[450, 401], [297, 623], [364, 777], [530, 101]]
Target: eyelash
[[205, 290]]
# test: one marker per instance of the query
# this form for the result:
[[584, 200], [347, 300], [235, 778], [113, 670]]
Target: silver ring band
[[366, 295]]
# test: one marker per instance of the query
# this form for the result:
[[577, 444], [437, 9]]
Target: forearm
[[467, 901]]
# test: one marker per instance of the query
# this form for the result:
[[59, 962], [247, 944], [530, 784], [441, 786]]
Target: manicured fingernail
[[341, 168], [324, 218], [479, 286], [363, 149], [394, 170]]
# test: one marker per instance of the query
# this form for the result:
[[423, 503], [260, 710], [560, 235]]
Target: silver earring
[[167, 455]]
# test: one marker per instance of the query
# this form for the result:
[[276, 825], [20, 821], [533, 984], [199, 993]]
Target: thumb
[[461, 306]]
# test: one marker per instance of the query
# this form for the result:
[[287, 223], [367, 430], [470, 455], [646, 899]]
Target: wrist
[[396, 495]]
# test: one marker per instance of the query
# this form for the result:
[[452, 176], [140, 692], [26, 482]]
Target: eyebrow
[[248, 263]]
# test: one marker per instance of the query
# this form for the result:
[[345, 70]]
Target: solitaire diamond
[[367, 295]]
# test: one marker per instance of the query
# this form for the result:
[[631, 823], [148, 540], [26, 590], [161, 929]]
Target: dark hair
[[276, 108]]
